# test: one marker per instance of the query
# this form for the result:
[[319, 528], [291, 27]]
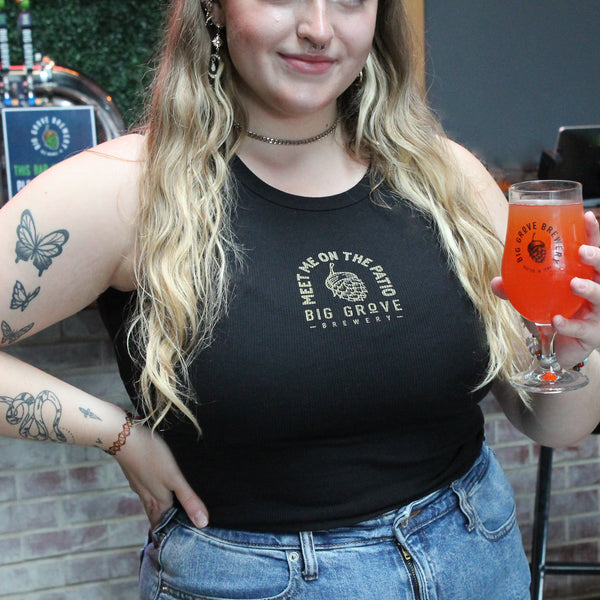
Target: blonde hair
[[185, 244]]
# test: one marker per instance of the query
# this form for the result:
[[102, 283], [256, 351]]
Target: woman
[[296, 265]]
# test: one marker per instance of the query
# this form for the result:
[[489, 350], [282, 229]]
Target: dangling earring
[[215, 58]]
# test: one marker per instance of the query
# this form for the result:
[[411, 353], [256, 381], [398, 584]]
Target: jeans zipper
[[412, 572]]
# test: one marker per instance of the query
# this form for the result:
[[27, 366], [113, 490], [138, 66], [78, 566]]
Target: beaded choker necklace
[[284, 142]]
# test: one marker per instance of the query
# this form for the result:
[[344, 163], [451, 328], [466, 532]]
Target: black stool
[[540, 567]]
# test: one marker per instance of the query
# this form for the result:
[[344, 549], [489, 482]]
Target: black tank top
[[339, 385]]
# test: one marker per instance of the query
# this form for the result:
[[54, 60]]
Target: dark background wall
[[111, 41], [503, 76]]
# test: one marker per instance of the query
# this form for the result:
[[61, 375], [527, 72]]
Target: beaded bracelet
[[122, 437], [578, 366], [534, 348]]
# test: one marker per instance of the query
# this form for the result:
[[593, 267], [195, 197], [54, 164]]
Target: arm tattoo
[[21, 298], [88, 414], [9, 335], [38, 418], [37, 248]]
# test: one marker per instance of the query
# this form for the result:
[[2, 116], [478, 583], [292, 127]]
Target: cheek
[[241, 49], [244, 42], [257, 32], [358, 39]]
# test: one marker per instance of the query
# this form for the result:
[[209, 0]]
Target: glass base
[[549, 381]]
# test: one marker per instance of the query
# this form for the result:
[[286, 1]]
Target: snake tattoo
[[38, 418]]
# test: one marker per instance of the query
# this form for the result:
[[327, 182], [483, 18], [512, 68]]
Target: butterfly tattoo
[[20, 298], [40, 249], [9, 335]]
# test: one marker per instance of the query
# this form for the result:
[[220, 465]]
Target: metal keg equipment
[[40, 84]]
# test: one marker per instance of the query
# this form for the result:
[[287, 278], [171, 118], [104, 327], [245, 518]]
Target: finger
[[587, 289], [585, 324], [592, 228], [192, 504], [583, 338], [573, 328], [498, 288], [590, 255]]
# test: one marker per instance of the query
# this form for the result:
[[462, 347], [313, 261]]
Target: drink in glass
[[541, 256]]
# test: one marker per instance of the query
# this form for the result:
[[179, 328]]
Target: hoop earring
[[360, 78], [215, 58]]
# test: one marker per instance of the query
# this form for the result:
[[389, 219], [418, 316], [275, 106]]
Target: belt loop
[[309, 556]]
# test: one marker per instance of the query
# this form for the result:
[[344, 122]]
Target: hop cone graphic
[[345, 285], [537, 250], [50, 139]]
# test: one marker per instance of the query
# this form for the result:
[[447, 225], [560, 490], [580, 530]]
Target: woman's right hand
[[155, 476]]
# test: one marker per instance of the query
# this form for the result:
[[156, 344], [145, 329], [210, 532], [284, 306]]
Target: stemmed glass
[[545, 229]]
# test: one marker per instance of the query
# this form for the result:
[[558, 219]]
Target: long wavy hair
[[185, 247]]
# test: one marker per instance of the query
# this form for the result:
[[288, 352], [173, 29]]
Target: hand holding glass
[[541, 256]]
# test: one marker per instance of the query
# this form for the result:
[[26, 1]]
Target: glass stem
[[547, 333]]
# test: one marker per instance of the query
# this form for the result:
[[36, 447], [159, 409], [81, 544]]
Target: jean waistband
[[409, 517]]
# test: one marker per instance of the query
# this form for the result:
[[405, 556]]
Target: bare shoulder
[[107, 169], [112, 173], [121, 157], [96, 192], [127, 148], [70, 233], [488, 195]]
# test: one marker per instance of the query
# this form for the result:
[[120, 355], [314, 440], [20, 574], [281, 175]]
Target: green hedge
[[111, 41]]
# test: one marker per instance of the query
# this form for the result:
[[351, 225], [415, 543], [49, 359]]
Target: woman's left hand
[[578, 336]]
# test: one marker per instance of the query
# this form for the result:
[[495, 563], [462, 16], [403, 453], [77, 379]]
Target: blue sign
[[37, 138]]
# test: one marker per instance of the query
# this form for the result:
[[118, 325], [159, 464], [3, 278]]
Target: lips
[[308, 63]]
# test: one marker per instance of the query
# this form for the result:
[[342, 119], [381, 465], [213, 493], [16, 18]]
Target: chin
[[305, 104]]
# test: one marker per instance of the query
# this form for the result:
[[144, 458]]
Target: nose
[[314, 24]]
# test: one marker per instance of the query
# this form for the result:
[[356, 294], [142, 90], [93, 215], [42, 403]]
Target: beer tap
[[4, 56], [26, 34]]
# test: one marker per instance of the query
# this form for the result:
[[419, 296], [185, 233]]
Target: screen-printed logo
[[345, 289], [539, 246]]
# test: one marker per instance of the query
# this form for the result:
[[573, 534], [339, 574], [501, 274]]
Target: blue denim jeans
[[459, 543]]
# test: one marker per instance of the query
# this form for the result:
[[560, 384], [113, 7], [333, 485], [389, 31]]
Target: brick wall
[[70, 528], [574, 531]]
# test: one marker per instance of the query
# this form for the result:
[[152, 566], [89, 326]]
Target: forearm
[[37, 406], [556, 419]]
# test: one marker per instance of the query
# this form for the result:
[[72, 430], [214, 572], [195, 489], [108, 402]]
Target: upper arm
[[488, 195], [67, 236], [492, 203]]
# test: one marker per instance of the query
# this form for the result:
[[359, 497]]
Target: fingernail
[[200, 520], [589, 251]]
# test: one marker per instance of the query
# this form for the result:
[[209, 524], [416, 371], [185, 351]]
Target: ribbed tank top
[[339, 384]]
